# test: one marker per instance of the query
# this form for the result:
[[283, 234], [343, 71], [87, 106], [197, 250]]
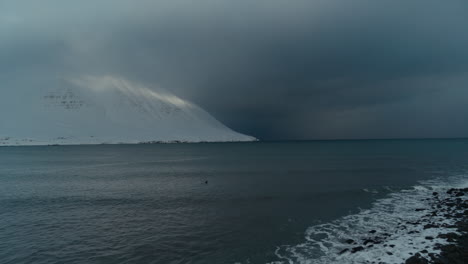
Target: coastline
[[441, 232], [424, 224], [31, 143], [454, 206]]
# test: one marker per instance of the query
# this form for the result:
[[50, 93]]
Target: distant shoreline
[[3, 144], [124, 143]]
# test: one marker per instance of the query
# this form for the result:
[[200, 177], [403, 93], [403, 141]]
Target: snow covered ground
[[105, 110]]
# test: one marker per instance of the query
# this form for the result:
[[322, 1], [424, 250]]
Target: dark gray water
[[150, 203]]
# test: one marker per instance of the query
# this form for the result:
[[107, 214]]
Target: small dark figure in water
[[206, 182]]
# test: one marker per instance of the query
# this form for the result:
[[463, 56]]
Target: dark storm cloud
[[275, 69]]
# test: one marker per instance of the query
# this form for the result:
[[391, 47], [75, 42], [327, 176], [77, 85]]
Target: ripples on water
[[150, 204]]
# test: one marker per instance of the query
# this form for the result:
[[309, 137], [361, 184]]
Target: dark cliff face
[[65, 98]]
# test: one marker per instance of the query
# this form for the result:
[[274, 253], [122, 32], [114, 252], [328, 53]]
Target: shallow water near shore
[[259, 202]]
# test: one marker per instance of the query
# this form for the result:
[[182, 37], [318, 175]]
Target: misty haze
[[238, 132]]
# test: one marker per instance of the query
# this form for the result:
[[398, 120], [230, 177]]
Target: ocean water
[[260, 202]]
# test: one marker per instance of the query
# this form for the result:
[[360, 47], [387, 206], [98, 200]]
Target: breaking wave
[[391, 231]]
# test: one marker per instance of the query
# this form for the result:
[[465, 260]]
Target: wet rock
[[350, 241], [453, 254], [416, 259], [431, 225], [449, 226], [344, 251], [451, 237], [357, 249]]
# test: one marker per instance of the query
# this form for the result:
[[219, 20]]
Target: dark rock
[[416, 259], [459, 194], [356, 249], [349, 241], [372, 231], [343, 251], [431, 225], [429, 238], [451, 237], [449, 226], [453, 254], [435, 193]]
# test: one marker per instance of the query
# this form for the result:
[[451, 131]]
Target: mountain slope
[[108, 110]]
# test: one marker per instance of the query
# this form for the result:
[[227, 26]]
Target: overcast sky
[[291, 69]]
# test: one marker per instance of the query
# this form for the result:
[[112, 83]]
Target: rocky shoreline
[[453, 206], [440, 234]]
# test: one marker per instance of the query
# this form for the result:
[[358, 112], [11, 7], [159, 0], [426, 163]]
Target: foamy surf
[[396, 228]]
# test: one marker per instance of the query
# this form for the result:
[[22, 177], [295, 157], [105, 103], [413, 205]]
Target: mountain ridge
[[110, 110]]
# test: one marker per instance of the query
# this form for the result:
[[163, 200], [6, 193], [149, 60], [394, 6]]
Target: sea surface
[[259, 202]]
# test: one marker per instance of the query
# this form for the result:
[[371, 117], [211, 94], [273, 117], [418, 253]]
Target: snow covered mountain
[[96, 110]]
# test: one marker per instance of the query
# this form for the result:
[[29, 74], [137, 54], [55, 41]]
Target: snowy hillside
[[108, 110]]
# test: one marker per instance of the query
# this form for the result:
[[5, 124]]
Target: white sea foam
[[395, 222]]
